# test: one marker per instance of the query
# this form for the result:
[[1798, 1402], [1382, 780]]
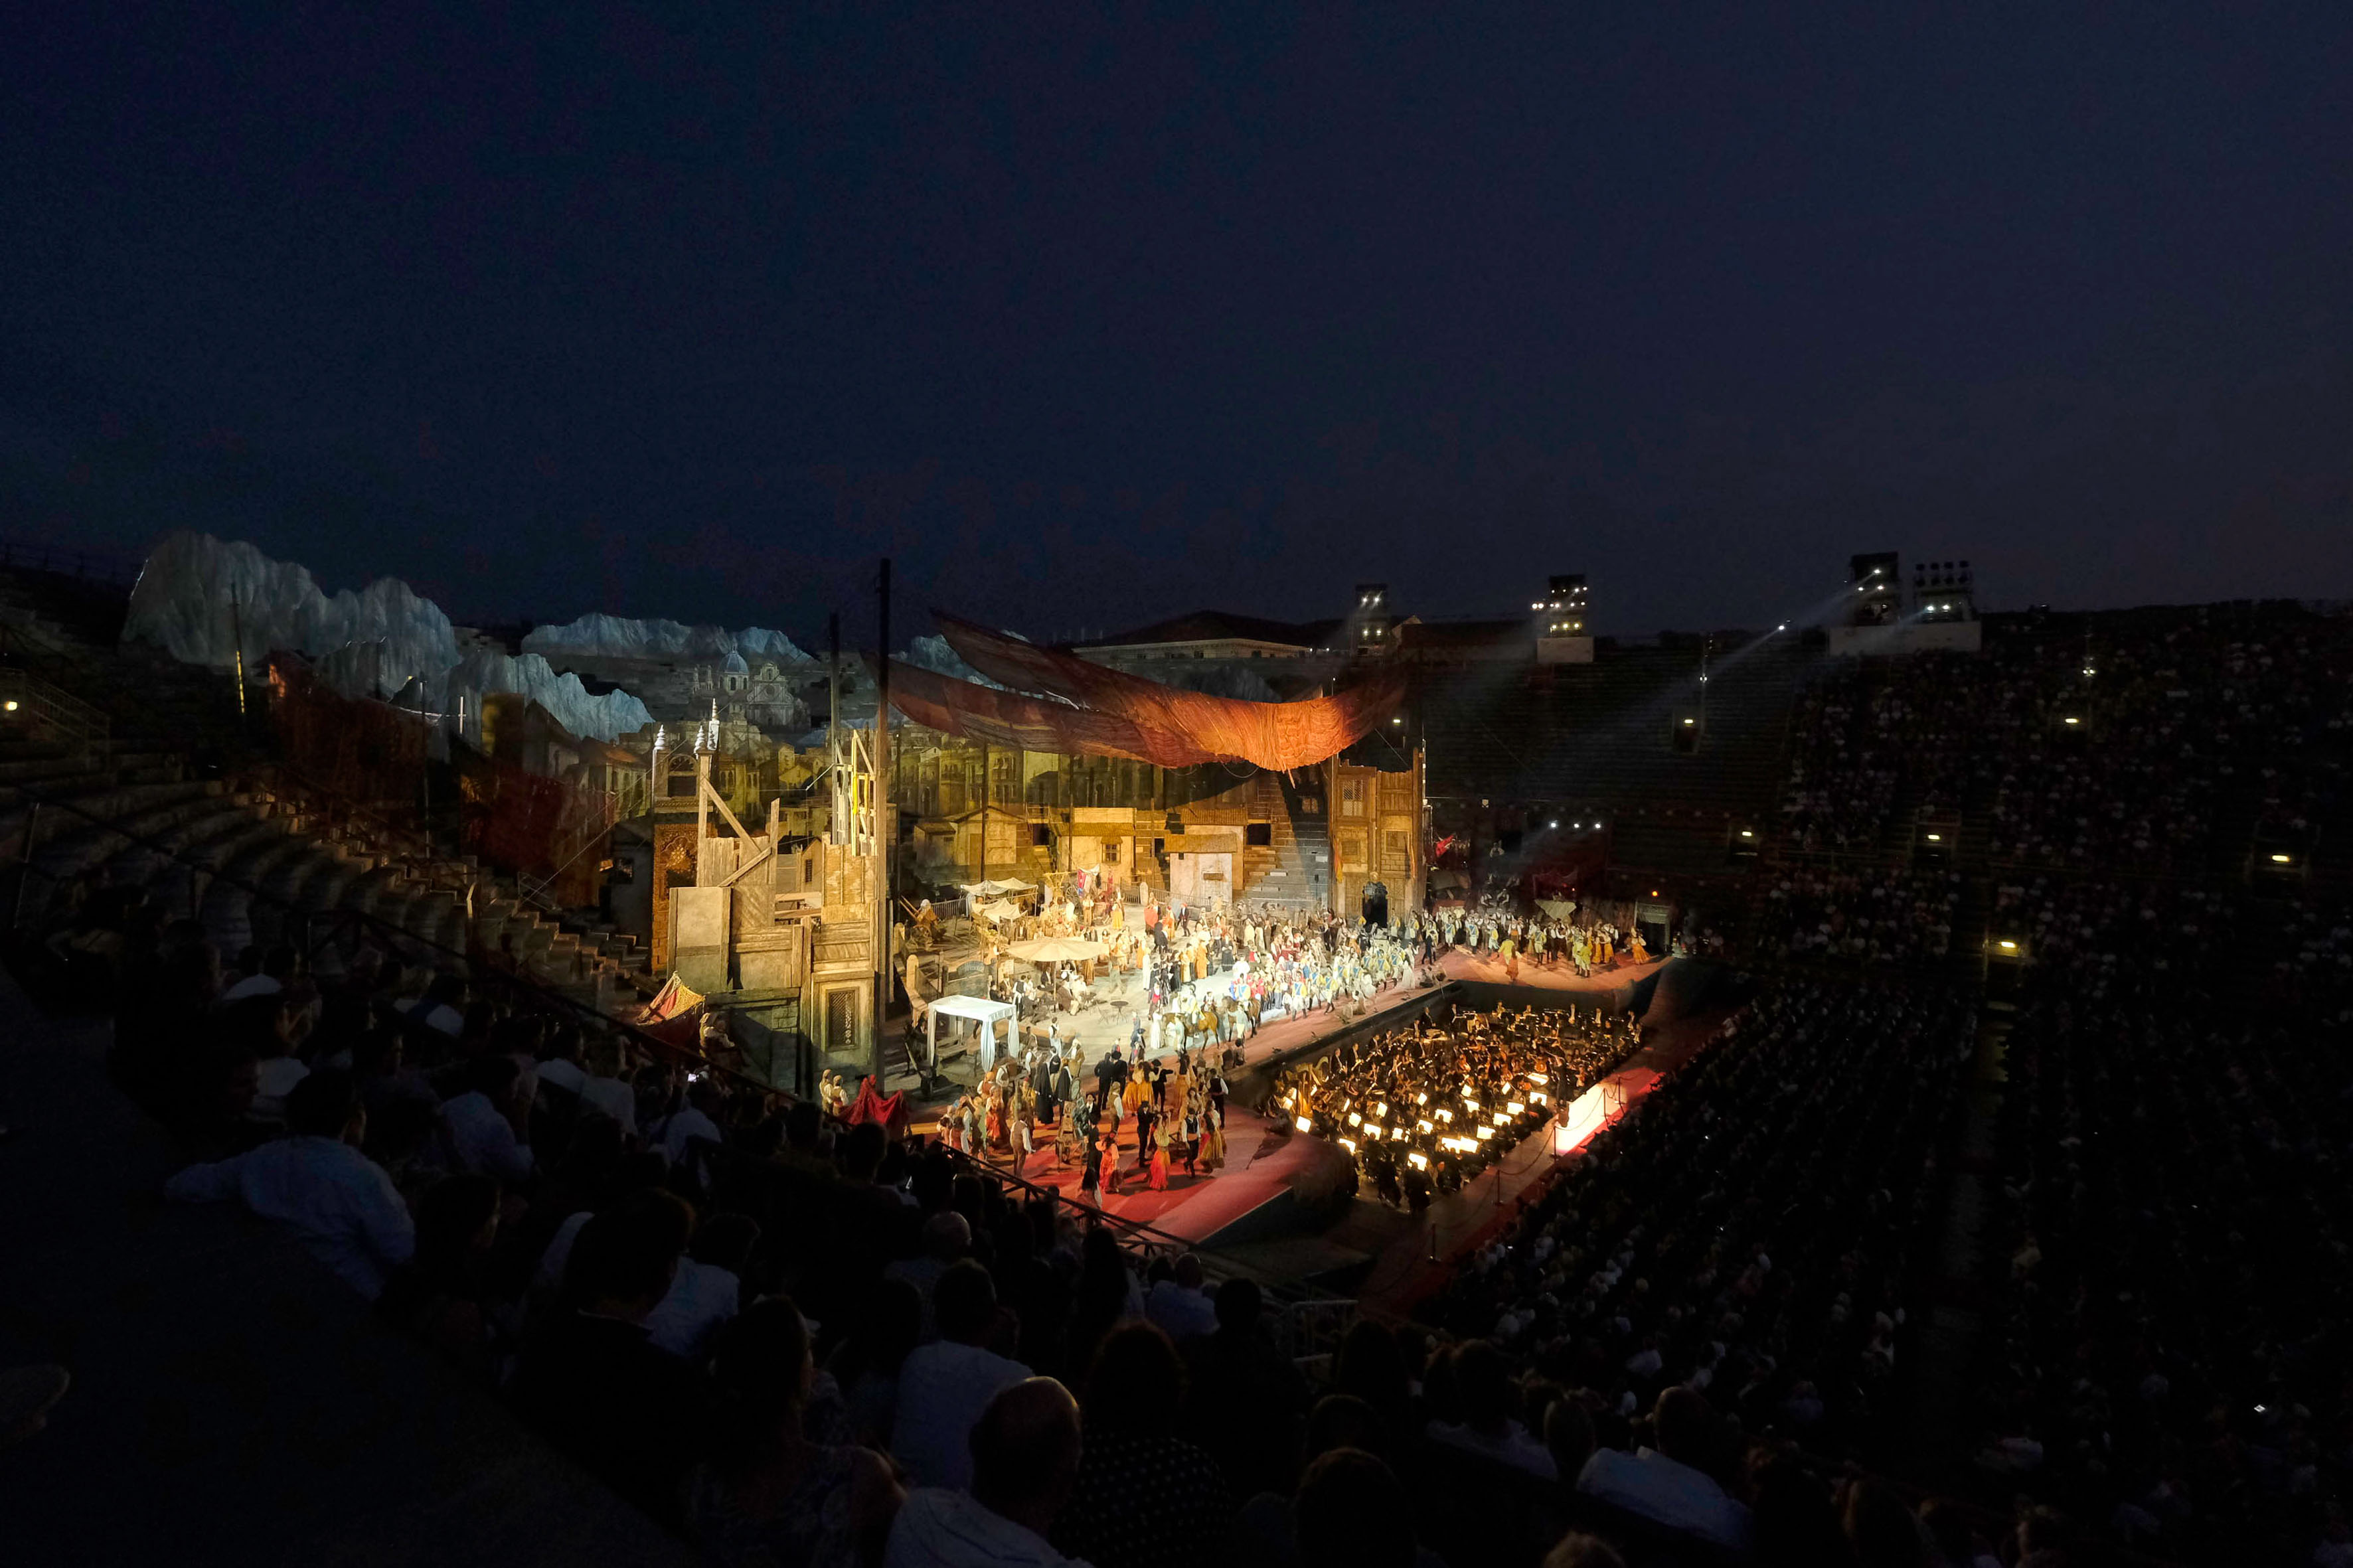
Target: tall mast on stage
[[884, 831]]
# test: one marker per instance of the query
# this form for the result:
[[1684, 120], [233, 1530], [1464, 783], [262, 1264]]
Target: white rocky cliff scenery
[[197, 597]]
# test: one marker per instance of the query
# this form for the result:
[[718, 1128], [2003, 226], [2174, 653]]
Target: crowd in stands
[[2165, 1354], [1747, 1230], [2103, 743], [1868, 915], [794, 1342]]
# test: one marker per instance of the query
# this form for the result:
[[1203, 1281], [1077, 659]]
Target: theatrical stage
[[1277, 1205]]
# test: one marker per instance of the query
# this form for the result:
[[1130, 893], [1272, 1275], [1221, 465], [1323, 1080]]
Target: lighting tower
[[1561, 611], [1874, 590], [1944, 591]]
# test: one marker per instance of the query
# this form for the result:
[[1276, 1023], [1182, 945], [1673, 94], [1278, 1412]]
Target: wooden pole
[[883, 830]]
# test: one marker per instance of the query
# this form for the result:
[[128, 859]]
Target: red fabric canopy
[[1009, 719], [1172, 727]]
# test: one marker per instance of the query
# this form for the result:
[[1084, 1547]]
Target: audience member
[[315, 1182], [944, 1386]]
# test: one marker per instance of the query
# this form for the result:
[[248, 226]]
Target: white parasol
[[1058, 950]]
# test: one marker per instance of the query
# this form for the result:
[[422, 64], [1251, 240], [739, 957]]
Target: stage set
[[1085, 865], [1280, 1198]]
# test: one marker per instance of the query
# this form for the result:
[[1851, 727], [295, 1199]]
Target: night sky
[[1090, 321]]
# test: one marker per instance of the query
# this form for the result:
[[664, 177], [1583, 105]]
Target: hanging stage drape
[[956, 707], [1108, 712]]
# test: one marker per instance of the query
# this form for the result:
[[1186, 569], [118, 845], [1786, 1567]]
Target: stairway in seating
[[170, 808]]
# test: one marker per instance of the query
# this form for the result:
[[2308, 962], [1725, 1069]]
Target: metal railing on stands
[[26, 697], [1310, 1326], [49, 555]]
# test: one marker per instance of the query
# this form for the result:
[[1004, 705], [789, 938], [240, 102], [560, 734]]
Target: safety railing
[[81, 728]]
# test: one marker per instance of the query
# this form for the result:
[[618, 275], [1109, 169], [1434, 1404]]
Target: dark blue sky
[[1092, 320]]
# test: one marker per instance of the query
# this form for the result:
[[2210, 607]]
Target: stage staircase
[[1310, 858]]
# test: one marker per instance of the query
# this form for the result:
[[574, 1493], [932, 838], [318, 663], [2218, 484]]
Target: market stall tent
[[981, 1010]]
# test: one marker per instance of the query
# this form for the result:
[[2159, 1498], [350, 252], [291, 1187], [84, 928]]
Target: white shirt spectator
[[1515, 1447], [337, 1200], [1181, 1313], [1668, 1491], [274, 1079], [943, 1390], [251, 985], [562, 1074], [701, 1297], [615, 1099], [550, 1277], [681, 1130], [483, 1140], [436, 1016], [938, 1529]]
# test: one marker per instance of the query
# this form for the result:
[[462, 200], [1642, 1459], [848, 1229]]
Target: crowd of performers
[[1581, 944], [1049, 1101], [1205, 977], [1210, 974], [1425, 1109]]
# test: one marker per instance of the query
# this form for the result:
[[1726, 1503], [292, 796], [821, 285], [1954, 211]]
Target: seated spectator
[[1179, 1305], [1144, 1498], [767, 1497], [1239, 1369], [1666, 1484], [1484, 1384], [440, 1006], [709, 1288], [1578, 1549], [1351, 1515], [865, 1367], [944, 1386], [1958, 1542], [1372, 1366], [274, 1029], [696, 1122], [276, 967], [315, 1180], [486, 1126], [379, 1062], [1266, 1530], [1880, 1531], [1024, 1460], [592, 1382], [440, 1294], [1568, 1436], [607, 1089], [947, 1237], [559, 1063]]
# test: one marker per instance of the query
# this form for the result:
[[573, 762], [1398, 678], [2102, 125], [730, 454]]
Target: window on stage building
[[1260, 834], [841, 1021]]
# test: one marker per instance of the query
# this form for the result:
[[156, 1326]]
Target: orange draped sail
[[956, 707], [1113, 714]]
